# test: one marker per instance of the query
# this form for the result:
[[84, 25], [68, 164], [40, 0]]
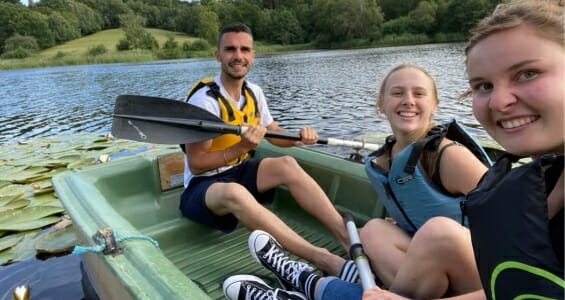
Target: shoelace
[[259, 294], [289, 269]]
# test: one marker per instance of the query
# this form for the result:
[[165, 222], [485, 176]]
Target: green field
[[75, 52], [109, 38]]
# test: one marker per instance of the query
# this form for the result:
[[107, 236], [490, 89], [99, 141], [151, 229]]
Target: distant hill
[[109, 38]]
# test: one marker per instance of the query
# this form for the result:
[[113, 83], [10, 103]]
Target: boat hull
[[191, 260]]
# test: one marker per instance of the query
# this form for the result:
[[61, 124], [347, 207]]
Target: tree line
[[321, 23]]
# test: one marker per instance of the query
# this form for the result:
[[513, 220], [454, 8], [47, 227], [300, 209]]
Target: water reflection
[[333, 91]]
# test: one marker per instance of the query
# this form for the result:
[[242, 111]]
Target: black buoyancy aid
[[507, 214], [406, 190]]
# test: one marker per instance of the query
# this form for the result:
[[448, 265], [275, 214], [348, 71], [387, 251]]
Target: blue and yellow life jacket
[[229, 113], [519, 252], [406, 190]]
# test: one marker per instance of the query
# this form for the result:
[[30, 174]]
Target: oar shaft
[[168, 121], [323, 141], [357, 254], [350, 144]]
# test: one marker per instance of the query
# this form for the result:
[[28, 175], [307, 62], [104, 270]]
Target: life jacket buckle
[[404, 179]]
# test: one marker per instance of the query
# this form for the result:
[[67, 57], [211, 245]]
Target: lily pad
[[47, 199], [7, 256], [12, 190], [42, 186], [83, 162], [4, 183], [27, 175], [5, 200], [27, 214], [16, 204], [10, 240], [25, 248], [56, 241], [29, 224]]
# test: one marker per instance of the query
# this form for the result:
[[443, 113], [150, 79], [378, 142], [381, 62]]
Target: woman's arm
[[460, 170]]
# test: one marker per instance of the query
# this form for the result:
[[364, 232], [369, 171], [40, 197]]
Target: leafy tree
[[398, 26], [185, 19], [393, 9], [207, 26], [285, 28], [86, 19], [7, 10], [151, 13], [424, 17], [136, 37], [31, 23], [343, 20], [460, 16], [110, 10], [63, 29]]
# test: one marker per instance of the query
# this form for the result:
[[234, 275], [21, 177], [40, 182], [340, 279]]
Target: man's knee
[[287, 164], [229, 194]]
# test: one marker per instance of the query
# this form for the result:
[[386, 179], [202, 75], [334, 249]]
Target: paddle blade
[[161, 121]]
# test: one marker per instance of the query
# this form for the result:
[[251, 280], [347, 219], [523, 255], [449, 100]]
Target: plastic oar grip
[[357, 254]]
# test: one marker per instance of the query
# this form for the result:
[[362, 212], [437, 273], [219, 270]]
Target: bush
[[169, 53], [96, 50], [17, 53], [122, 45], [21, 41], [171, 44], [198, 45], [59, 55]]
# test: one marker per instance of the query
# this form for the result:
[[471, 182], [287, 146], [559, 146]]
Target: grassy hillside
[[109, 38], [76, 51]]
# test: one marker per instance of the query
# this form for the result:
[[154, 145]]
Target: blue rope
[[101, 245]]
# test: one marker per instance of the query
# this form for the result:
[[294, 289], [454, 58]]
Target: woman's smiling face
[[409, 101], [517, 80]]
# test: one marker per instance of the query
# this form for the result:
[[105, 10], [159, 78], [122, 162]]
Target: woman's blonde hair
[[381, 95], [545, 16]]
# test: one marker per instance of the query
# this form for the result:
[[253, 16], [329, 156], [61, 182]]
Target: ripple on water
[[332, 91]]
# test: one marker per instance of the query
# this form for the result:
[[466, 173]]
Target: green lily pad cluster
[[32, 220]]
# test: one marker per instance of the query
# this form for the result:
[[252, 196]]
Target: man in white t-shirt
[[224, 186]]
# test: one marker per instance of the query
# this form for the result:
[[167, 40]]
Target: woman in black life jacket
[[516, 70]]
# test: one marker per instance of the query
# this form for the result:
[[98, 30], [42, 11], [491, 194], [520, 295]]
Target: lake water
[[332, 91]]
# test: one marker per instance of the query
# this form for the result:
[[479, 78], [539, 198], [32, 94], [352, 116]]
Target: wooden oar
[[167, 121]]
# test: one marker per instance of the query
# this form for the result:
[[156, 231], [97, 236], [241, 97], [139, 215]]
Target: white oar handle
[[353, 144], [325, 141], [357, 254]]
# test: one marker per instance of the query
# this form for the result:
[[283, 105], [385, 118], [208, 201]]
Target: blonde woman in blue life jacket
[[224, 186], [516, 70], [408, 99]]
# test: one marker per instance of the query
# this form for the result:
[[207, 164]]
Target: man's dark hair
[[234, 27]]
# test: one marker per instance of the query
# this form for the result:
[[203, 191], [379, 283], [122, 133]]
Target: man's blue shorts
[[192, 203]]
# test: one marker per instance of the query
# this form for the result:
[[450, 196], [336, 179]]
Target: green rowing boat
[[137, 245]]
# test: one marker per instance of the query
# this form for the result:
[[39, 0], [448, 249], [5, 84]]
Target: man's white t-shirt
[[201, 99]]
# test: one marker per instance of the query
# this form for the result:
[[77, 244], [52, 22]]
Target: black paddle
[[167, 121]]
